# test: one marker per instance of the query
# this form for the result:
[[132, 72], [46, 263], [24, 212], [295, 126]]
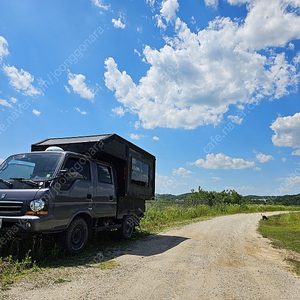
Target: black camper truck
[[74, 186]]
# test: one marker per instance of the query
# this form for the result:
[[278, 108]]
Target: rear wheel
[[126, 231], [74, 239]]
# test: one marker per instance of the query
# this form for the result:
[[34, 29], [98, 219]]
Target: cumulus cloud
[[99, 3], [156, 138], [182, 172], [36, 112], [5, 103], [213, 3], [3, 47], [76, 81], [80, 111], [13, 100], [21, 81], [296, 152], [134, 136], [119, 111], [194, 78], [286, 131], [221, 161], [236, 119], [169, 9], [118, 23], [263, 158]]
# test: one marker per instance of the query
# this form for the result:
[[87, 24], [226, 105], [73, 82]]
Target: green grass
[[284, 232], [159, 217], [11, 269]]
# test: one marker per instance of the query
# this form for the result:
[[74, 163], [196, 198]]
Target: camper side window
[[75, 170], [104, 174], [139, 173]]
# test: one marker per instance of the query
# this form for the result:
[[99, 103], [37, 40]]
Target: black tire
[[126, 231], [74, 239]]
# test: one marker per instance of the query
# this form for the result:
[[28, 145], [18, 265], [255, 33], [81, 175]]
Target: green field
[[284, 232]]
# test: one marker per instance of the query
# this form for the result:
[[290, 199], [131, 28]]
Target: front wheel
[[74, 239], [126, 231]]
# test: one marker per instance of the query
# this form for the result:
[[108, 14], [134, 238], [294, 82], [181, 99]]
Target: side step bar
[[103, 228]]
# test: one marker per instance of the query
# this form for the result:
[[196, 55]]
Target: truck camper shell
[[135, 168]]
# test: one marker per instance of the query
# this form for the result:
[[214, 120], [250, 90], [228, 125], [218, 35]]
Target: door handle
[[89, 197]]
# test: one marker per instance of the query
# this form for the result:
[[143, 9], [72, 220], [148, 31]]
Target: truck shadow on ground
[[106, 247], [154, 244]]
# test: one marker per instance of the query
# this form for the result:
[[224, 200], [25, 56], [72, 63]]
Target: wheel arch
[[87, 218]]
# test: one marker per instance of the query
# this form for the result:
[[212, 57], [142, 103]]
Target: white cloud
[[221, 161], [263, 158], [137, 52], [284, 159], [150, 2], [182, 172], [5, 103], [21, 81], [3, 47], [296, 152], [119, 111], [216, 178], [168, 9], [213, 3], [156, 138], [76, 81], [286, 131], [13, 100], [118, 23], [67, 89], [99, 3], [256, 169], [195, 77], [36, 112], [270, 23], [134, 136], [80, 111], [236, 119]]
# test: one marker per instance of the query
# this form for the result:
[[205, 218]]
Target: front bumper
[[26, 224]]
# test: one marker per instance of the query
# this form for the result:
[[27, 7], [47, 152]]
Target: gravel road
[[221, 258]]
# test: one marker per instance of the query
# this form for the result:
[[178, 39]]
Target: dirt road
[[221, 258]]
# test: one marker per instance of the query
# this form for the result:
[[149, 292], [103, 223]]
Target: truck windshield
[[34, 166]]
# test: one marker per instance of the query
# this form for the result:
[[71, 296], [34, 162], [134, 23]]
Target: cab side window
[[104, 174], [75, 170]]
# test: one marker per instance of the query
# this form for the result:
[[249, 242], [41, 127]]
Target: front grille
[[10, 207]]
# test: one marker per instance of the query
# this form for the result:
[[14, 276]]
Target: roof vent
[[54, 148]]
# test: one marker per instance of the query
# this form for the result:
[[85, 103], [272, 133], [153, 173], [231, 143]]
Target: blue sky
[[209, 87]]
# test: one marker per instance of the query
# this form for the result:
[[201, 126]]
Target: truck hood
[[18, 195]]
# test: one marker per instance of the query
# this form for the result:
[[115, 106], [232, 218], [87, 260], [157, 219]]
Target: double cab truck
[[73, 186]]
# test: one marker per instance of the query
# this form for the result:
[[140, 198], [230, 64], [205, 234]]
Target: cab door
[[105, 200], [76, 191]]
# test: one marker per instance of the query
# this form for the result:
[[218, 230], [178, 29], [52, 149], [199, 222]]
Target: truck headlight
[[37, 205]]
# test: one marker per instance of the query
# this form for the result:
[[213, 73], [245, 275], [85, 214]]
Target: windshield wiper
[[6, 182], [22, 179]]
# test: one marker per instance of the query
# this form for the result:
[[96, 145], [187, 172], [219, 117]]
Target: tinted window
[[139, 173], [75, 170], [103, 174]]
